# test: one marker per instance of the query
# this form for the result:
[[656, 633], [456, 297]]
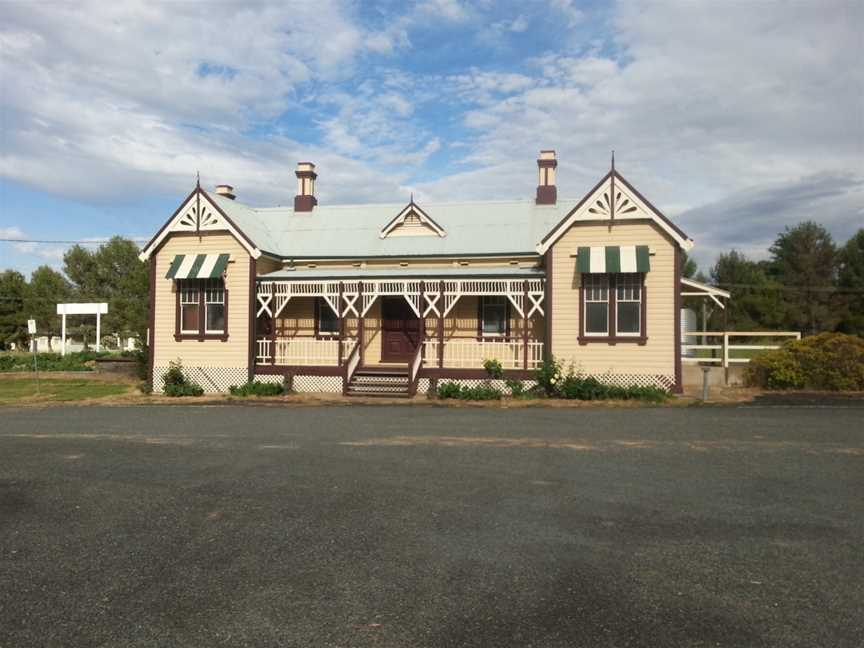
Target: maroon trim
[[679, 385], [524, 325], [440, 324], [547, 302], [201, 335], [273, 323], [547, 164], [152, 319], [612, 340], [361, 326], [253, 320], [339, 308], [631, 188]]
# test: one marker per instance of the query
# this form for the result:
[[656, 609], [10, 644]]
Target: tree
[[688, 266], [47, 289], [112, 273], [804, 261], [756, 302], [13, 319], [851, 284]]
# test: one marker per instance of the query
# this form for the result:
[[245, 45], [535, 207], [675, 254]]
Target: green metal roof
[[472, 228]]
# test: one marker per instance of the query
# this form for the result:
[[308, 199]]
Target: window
[[202, 309], [613, 308], [493, 316], [628, 303], [596, 287], [326, 321], [214, 305], [190, 303]]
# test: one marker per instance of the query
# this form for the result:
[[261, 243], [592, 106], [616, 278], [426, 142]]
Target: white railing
[[722, 351], [470, 354], [303, 351]]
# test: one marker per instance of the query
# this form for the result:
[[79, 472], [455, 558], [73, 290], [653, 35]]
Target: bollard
[[705, 372]]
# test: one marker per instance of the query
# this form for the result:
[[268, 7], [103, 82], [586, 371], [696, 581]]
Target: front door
[[400, 330]]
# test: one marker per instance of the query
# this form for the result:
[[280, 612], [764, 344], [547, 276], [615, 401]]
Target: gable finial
[[613, 159], [198, 179], [412, 198]]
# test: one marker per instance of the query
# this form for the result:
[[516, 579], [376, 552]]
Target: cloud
[[451, 10], [11, 233]]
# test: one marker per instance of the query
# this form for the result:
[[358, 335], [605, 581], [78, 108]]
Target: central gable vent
[[412, 221]]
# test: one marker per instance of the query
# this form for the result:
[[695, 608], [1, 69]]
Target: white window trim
[[207, 302], [629, 301], [197, 303]]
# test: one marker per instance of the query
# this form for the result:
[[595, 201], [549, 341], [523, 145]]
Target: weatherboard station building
[[394, 298]]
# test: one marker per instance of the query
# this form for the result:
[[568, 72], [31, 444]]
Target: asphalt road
[[422, 526]]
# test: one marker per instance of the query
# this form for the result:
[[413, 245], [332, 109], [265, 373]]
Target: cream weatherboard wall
[[213, 364], [656, 358]]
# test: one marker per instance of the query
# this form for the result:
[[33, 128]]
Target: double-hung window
[[628, 304], [612, 307], [596, 290], [493, 316], [202, 306]]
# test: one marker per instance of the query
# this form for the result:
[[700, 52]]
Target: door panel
[[400, 330]]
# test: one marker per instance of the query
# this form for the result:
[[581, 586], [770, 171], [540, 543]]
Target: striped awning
[[197, 266], [613, 258]]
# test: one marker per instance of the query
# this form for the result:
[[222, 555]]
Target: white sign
[[31, 327], [82, 309]]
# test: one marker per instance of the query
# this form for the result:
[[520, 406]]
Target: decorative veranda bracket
[[425, 297]]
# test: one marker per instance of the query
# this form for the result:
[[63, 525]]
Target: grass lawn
[[24, 389]]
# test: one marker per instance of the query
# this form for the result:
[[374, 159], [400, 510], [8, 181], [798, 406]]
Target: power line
[[58, 242]]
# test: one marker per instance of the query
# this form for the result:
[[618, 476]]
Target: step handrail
[[351, 364], [414, 370]]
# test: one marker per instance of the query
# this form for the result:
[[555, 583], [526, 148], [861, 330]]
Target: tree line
[[807, 284], [111, 273]]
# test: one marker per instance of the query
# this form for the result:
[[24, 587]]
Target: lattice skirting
[[310, 384], [422, 386], [638, 380], [212, 379]]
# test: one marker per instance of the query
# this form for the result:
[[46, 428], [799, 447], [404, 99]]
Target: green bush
[[549, 376], [494, 368], [176, 383], [50, 361], [463, 392], [828, 361], [256, 388]]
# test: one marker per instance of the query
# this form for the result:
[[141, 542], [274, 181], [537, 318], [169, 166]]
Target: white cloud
[[451, 10], [11, 233]]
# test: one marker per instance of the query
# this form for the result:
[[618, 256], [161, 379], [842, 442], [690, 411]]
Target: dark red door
[[400, 330]]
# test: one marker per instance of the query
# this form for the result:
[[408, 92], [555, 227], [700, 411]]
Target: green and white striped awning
[[613, 258], [197, 266]]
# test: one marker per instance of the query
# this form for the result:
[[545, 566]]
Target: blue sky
[[735, 118]]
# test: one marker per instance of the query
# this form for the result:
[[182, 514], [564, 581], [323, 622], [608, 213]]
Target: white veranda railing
[[303, 351], [470, 354]]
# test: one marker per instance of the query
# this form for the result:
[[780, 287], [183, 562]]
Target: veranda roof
[[613, 258], [318, 274], [197, 266]]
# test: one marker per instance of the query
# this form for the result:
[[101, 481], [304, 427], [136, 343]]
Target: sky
[[734, 118]]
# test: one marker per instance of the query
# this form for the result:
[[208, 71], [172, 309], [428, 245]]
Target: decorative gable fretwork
[[199, 216], [412, 221], [427, 298], [605, 208]]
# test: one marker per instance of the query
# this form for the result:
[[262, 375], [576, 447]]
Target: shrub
[[463, 392], [516, 387], [549, 375], [79, 361], [176, 383], [256, 388], [829, 361], [494, 368]]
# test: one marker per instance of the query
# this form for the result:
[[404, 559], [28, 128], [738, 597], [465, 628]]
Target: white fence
[[306, 351], [722, 351], [470, 354]]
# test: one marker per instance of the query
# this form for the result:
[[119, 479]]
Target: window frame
[[201, 333], [482, 334], [585, 301], [611, 337], [319, 333]]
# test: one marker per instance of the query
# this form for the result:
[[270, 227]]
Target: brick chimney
[[226, 191], [305, 199], [547, 192]]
